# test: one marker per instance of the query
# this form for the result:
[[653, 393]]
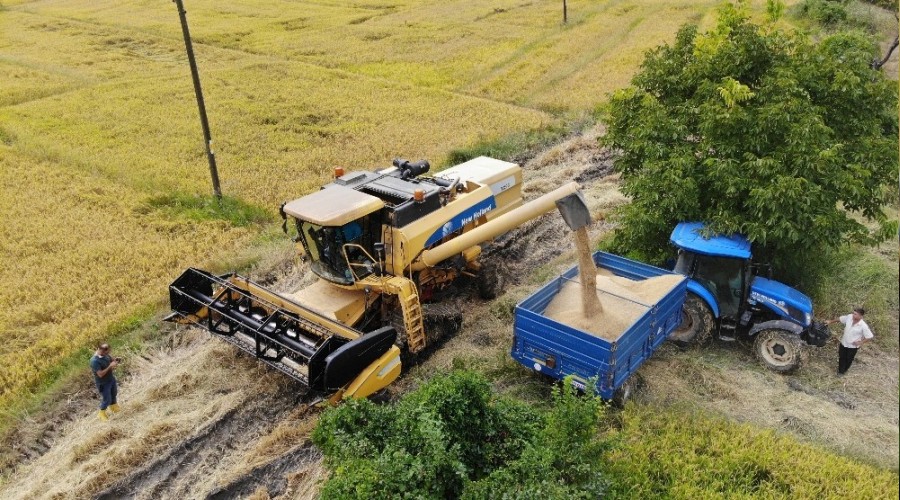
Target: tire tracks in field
[[29, 442], [272, 476], [178, 471]]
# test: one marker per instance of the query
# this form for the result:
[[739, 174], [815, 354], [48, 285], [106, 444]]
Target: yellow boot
[[114, 407], [103, 416]]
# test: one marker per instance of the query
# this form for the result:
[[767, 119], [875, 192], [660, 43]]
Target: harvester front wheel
[[779, 350], [696, 323], [442, 321], [491, 281]]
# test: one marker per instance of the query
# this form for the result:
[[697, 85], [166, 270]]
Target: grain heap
[[622, 301]]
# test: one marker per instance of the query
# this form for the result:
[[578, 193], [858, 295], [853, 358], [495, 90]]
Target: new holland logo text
[[477, 214], [762, 298]]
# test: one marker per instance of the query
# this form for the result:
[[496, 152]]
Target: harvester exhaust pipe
[[567, 198], [409, 170]]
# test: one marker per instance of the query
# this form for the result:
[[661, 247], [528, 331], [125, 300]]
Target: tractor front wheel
[[696, 323], [779, 350]]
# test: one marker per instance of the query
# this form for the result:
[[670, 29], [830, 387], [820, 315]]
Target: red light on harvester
[[338, 172], [419, 195]]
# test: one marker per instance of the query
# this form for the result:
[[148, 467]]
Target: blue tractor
[[728, 296]]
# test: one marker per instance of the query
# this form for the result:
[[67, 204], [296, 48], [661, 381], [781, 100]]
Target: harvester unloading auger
[[384, 245]]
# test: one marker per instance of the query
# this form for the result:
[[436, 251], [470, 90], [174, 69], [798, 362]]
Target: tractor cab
[[338, 228], [726, 295], [718, 266]]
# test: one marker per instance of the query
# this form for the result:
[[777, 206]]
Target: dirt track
[[202, 421]]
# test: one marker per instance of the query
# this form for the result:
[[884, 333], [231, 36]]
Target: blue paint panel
[[461, 219], [781, 293], [559, 350]]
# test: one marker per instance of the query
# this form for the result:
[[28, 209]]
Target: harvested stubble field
[[98, 121], [230, 427]]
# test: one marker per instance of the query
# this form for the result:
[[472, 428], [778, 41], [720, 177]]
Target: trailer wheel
[[696, 323], [626, 391], [779, 350]]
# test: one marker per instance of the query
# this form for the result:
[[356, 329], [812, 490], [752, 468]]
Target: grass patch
[[208, 208], [6, 138], [515, 147], [854, 276], [837, 15], [676, 453]]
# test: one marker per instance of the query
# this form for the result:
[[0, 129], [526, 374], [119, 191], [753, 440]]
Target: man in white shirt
[[856, 333]]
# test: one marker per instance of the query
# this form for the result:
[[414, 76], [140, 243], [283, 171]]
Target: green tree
[[760, 132]]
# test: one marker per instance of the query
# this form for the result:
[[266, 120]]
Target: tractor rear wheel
[[779, 350], [696, 323]]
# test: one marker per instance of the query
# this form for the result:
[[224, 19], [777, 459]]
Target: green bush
[[828, 13], [562, 462], [452, 437]]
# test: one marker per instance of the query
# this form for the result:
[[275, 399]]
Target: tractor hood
[[782, 299]]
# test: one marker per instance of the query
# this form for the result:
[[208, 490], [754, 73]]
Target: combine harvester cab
[[323, 354]]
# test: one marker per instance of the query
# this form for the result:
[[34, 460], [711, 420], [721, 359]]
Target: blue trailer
[[558, 350]]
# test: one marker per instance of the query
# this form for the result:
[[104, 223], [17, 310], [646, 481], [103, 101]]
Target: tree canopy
[[756, 131]]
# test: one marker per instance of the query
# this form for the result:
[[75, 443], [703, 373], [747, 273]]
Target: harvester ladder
[[412, 312]]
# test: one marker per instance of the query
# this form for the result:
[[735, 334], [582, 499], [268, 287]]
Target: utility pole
[[565, 13], [217, 191]]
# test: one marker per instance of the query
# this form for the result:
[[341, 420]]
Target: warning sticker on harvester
[[501, 186]]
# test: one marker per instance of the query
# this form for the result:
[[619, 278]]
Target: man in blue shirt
[[103, 365]]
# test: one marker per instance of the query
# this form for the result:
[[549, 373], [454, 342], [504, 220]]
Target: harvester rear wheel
[[779, 350], [696, 323]]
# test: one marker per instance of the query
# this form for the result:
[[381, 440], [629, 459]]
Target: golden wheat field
[[97, 116]]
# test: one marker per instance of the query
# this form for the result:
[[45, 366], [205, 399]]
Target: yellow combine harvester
[[384, 244]]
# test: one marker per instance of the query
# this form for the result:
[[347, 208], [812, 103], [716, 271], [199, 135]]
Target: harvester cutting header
[[384, 244]]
